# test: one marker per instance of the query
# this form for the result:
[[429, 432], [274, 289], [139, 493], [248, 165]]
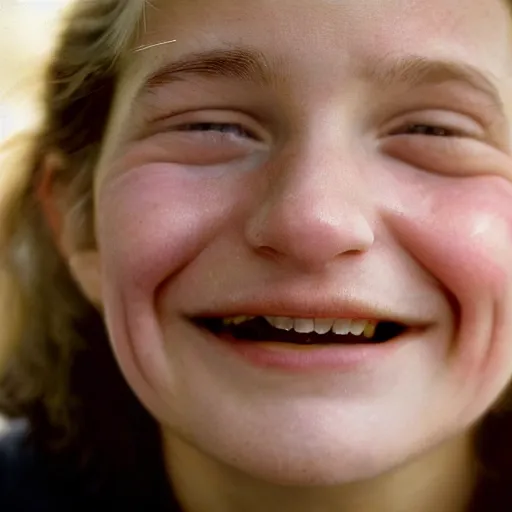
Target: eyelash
[[223, 128], [423, 129], [239, 131]]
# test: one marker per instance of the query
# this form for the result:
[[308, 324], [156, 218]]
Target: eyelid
[[244, 131], [462, 125], [217, 116]]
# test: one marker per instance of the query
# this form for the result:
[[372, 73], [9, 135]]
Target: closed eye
[[428, 130], [223, 128]]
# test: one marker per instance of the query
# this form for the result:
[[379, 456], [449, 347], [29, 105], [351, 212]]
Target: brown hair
[[57, 366]]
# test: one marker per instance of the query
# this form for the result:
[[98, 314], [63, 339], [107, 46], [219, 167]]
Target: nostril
[[310, 232], [268, 251]]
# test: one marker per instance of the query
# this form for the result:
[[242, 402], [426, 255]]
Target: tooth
[[304, 325], [271, 320], [237, 320], [280, 322], [323, 325], [341, 327], [227, 321], [358, 326], [284, 323], [369, 330]]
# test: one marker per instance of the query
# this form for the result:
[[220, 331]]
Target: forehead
[[348, 34], [341, 28]]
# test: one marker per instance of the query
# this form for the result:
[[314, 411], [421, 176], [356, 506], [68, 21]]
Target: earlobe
[[85, 267]]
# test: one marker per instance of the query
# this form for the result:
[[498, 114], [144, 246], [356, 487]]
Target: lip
[[306, 308], [277, 356], [309, 359]]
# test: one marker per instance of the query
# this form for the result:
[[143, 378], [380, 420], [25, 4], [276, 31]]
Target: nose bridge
[[317, 208]]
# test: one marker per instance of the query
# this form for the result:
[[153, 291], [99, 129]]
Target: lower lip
[[311, 358]]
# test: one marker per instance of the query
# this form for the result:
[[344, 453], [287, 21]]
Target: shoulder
[[34, 481], [15, 456], [26, 484], [20, 477]]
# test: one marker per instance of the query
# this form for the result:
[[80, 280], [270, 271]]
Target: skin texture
[[328, 200]]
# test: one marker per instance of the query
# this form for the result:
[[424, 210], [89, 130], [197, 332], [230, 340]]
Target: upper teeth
[[319, 325]]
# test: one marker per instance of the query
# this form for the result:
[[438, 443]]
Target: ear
[[85, 267], [65, 224]]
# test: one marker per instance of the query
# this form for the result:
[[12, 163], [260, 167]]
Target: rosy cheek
[[462, 234], [153, 220]]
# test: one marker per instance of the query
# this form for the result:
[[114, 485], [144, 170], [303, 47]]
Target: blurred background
[[27, 31], [27, 34]]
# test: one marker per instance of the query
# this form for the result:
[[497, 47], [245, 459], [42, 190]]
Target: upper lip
[[333, 309]]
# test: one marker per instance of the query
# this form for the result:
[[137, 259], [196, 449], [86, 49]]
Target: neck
[[442, 480]]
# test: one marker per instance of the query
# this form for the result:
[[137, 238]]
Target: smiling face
[[327, 160]]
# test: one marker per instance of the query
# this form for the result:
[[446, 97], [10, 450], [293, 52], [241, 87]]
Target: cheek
[[153, 221], [461, 232]]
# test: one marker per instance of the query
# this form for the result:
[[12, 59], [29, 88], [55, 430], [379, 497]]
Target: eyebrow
[[416, 70], [250, 65], [244, 64]]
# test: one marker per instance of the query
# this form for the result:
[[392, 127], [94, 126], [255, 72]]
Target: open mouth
[[302, 331]]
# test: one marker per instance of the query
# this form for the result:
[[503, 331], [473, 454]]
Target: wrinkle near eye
[[451, 156]]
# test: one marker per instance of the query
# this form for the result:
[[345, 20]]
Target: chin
[[298, 471], [297, 462]]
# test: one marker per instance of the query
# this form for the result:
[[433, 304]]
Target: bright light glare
[[15, 118]]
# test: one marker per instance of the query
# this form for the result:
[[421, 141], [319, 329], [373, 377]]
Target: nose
[[312, 216]]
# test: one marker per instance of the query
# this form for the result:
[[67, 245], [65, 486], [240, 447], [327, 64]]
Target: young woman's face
[[315, 160]]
